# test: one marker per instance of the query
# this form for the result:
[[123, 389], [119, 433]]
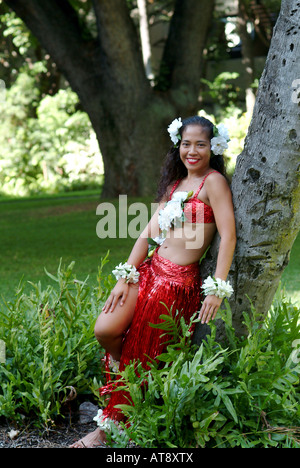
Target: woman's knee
[[102, 333], [105, 332], [110, 326]]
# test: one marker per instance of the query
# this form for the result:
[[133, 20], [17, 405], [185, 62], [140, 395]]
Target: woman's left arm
[[220, 199]]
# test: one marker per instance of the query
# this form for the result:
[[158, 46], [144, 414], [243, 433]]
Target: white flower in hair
[[223, 132], [218, 145], [173, 130], [219, 142]]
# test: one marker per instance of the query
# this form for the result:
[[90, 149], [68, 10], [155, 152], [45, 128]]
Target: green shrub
[[50, 347], [244, 393], [48, 145]]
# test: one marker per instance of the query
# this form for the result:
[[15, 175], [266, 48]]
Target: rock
[[13, 434], [87, 412]]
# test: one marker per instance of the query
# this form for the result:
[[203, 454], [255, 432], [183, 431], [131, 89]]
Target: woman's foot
[[94, 439]]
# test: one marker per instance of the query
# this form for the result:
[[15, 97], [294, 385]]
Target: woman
[[193, 189]]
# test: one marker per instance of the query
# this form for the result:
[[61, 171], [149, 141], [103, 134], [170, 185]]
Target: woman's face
[[195, 148]]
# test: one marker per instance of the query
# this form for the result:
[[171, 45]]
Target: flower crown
[[219, 143]]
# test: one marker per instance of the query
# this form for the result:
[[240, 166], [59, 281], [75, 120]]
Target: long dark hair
[[174, 169]]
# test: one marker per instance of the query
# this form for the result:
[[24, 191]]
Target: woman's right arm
[[136, 257], [140, 249]]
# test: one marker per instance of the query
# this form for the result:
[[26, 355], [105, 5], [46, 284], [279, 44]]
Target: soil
[[59, 437]]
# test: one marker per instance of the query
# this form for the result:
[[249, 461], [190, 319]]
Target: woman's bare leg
[[110, 326], [109, 329], [92, 440]]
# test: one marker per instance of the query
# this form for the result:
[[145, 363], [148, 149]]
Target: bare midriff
[[187, 244]]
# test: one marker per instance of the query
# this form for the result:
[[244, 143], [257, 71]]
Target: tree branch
[[95, 68], [119, 42], [56, 25], [183, 54]]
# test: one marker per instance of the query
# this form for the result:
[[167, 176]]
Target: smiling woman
[[174, 169], [195, 148], [193, 196]]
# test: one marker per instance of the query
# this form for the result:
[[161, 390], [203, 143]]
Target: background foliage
[[51, 350], [48, 144], [242, 393]]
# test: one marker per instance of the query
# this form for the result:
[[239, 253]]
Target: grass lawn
[[37, 233]]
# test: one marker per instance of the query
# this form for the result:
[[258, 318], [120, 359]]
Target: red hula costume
[[161, 281]]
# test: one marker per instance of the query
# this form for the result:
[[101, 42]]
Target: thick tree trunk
[[145, 37], [247, 55], [265, 186], [129, 117], [133, 149]]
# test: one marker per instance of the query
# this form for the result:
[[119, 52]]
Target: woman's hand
[[120, 291], [209, 308]]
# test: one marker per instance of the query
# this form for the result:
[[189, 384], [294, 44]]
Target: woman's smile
[[191, 160], [195, 148]]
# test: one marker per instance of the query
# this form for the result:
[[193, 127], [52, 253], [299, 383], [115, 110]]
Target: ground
[[59, 437]]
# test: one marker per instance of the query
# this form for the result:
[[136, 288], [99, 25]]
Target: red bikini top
[[195, 210]]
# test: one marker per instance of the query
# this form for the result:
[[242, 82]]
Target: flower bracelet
[[128, 272], [217, 287]]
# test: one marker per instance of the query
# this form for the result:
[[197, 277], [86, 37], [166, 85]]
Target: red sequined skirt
[[161, 282]]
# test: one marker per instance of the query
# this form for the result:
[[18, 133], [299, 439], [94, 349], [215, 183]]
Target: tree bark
[[183, 58], [129, 117], [145, 37], [247, 55], [265, 186]]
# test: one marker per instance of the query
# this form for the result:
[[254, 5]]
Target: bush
[[237, 124], [48, 145], [244, 393], [51, 350]]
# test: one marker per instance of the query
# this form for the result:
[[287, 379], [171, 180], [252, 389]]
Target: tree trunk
[[129, 117], [247, 55], [145, 37], [265, 186]]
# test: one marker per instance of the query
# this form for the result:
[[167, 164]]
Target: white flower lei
[[102, 422], [113, 364], [217, 287], [170, 216], [128, 272], [173, 213], [154, 243], [105, 423]]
